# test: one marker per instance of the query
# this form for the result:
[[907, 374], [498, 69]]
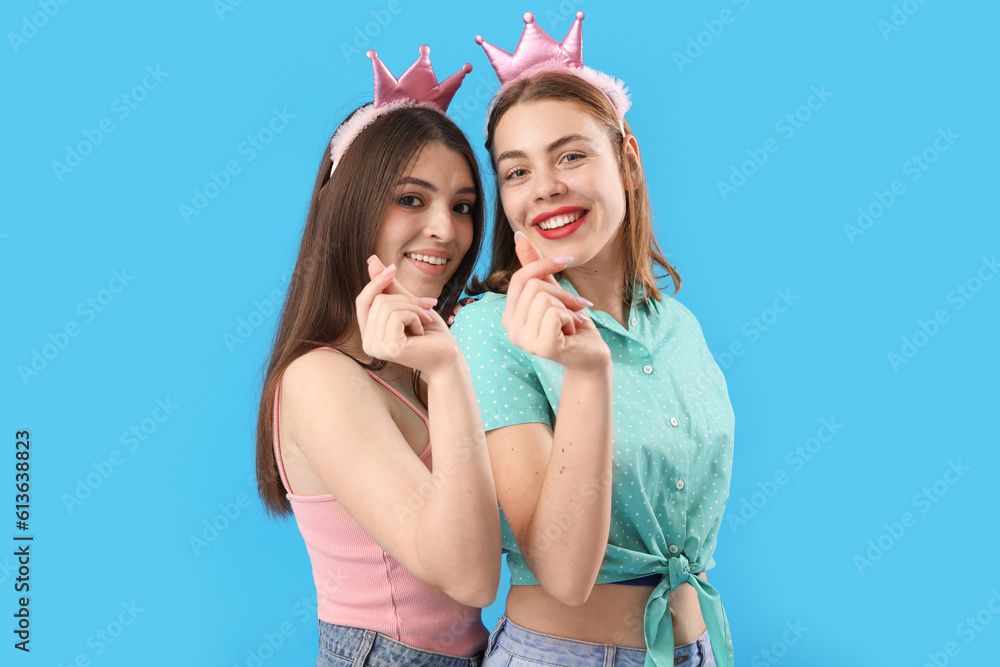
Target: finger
[[556, 321], [405, 320], [535, 286], [528, 253], [375, 267], [388, 321], [525, 249], [366, 298], [541, 269], [536, 317], [386, 304]]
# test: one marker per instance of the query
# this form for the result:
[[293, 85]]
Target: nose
[[440, 224], [547, 183]]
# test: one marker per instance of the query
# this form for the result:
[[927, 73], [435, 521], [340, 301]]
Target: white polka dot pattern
[[673, 427]]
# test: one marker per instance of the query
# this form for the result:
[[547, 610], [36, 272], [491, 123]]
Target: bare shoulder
[[317, 368], [323, 384]]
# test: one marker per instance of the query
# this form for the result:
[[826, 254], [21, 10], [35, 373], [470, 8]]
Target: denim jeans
[[341, 646], [511, 645]]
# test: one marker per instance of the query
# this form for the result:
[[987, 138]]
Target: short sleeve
[[506, 383]]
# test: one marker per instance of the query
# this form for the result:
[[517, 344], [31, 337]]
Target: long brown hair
[[638, 250], [345, 219]]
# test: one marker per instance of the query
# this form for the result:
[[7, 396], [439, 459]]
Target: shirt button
[[673, 421], [679, 484], [673, 548], [633, 322], [647, 369]]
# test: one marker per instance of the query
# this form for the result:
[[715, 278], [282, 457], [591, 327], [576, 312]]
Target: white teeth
[[437, 261], [561, 220]]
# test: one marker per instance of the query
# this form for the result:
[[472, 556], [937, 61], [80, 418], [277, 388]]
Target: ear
[[630, 149]]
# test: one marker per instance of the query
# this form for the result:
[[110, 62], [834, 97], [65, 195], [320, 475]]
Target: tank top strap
[[387, 386]]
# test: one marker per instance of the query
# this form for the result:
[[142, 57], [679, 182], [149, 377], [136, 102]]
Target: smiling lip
[[429, 269], [431, 253], [564, 231], [562, 210]]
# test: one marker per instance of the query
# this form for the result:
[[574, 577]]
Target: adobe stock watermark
[[960, 295], [556, 18], [271, 644], [364, 34], [122, 107], [418, 497], [131, 439], [305, 610], [87, 310], [914, 168], [773, 654], [565, 521], [260, 315], [105, 636], [214, 526], [30, 25], [248, 150], [924, 500], [787, 125], [970, 628], [7, 569], [796, 459], [899, 17], [756, 326], [223, 7], [696, 44]]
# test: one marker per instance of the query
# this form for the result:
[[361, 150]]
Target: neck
[[602, 288]]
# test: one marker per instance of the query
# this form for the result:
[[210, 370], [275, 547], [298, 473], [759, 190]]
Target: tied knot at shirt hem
[[658, 625]]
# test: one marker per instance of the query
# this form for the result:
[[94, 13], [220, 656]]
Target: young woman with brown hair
[[364, 376]]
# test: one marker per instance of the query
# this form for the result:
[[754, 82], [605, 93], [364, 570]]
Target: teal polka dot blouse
[[673, 447]]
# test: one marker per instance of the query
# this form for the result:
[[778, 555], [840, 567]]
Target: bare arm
[[555, 488], [444, 528]]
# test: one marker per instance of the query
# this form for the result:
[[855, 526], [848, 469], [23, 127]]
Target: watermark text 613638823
[[22, 541]]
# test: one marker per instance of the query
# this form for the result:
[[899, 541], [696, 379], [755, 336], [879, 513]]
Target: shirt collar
[[600, 318]]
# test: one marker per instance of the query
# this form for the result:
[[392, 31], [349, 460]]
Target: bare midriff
[[613, 614]]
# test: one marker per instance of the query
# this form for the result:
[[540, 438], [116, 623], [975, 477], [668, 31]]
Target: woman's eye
[[569, 157], [410, 201], [514, 173], [464, 208]]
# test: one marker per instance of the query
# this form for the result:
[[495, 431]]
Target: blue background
[[795, 528]]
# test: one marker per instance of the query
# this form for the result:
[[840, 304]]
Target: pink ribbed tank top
[[359, 585]]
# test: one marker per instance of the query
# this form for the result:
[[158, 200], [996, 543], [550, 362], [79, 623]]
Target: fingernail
[[588, 304], [430, 312], [369, 260], [519, 235], [428, 301], [387, 270], [563, 259], [451, 319]]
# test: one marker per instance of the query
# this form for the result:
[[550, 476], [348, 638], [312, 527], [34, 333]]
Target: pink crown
[[537, 51], [418, 83], [417, 87]]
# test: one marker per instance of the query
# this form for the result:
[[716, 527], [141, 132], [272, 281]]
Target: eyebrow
[[409, 180], [555, 145]]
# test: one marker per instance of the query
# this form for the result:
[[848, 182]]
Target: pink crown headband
[[418, 87], [537, 52]]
